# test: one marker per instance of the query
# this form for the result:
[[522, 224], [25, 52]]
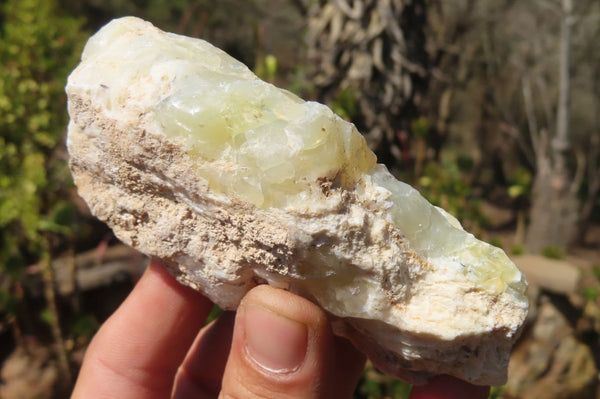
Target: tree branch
[[531, 119], [513, 132], [561, 142]]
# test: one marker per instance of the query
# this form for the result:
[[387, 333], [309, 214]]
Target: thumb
[[283, 347]]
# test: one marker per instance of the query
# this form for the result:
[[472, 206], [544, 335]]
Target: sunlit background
[[490, 108]]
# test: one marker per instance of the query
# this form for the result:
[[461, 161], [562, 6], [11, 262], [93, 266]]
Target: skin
[[277, 345]]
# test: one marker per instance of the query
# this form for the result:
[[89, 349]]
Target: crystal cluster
[[233, 182]]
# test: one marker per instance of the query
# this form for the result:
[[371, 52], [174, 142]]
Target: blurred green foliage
[[517, 249], [38, 48], [84, 326], [345, 104], [520, 183], [553, 252], [496, 242], [448, 184], [496, 392], [596, 271], [420, 127], [374, 385], [214, 314], [266, 67], [590, 293]]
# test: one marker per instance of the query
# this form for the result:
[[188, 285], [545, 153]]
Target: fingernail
[[275, 342]]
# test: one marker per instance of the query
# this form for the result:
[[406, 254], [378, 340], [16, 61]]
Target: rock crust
[[399, 277]]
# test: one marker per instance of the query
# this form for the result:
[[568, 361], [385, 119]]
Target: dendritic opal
[[233, 182]]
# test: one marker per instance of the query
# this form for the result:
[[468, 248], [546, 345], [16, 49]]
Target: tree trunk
[[554, 210], [369, 55]]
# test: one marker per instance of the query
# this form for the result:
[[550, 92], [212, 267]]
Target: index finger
[[137, 351]]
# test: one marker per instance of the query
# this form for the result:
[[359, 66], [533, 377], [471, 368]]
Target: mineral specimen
[[233, 182]]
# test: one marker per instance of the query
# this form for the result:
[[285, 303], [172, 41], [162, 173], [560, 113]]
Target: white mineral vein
[[233, 182]]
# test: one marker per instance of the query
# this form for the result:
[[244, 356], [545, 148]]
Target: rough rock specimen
[[233, 182]]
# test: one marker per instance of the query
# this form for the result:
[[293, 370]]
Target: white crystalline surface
[[233, 182]]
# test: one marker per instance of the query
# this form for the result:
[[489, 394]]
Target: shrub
[[38, 48], [448, 185], [553, 252], [517, 249], [496, 242]]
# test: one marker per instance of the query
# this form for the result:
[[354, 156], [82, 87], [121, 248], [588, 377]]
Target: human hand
[[277, 345]]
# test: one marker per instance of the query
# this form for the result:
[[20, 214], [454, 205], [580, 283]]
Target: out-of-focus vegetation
[[38, 48], [475, 102]]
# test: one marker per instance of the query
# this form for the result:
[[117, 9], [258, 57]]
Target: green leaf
[[553, 252], [85, 326], [47, 316], [596, 271], [516, 191], [517, 249], [8, 302], [14, 266], [496, 392], [420, 127], [39, 46], [64, 214], [590, 293], [215, 312], [50, 226], [370, 388]]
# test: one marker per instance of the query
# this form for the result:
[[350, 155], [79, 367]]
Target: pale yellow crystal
[[274, 143]]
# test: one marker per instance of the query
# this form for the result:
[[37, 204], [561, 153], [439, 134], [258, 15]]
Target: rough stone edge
[[388, 362]]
